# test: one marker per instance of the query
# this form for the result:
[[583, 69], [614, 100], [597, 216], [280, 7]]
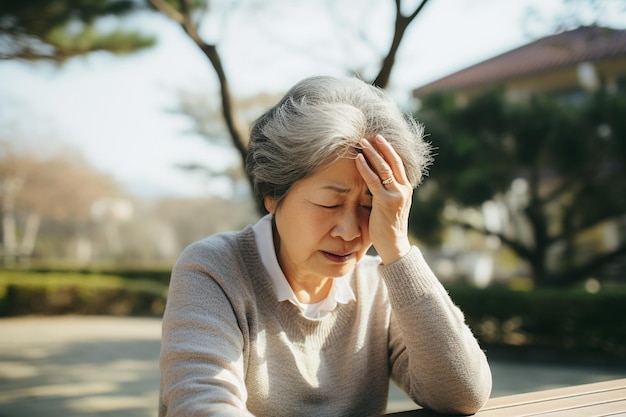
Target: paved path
[[79, 366], [107, 366]]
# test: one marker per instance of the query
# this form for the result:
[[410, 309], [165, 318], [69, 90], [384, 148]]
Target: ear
[[270, 204]]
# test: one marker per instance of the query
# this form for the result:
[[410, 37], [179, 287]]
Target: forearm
[[201, 355], [436, 357]]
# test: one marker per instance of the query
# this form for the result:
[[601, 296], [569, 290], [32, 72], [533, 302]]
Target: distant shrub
[[23, 293], [562, 319]]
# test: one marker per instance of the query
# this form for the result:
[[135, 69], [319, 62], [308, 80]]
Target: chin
[[342, 270]]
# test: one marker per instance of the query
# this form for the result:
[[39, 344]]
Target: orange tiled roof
[[587, 43]]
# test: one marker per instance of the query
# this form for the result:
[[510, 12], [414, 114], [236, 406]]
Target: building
[[567, 63]]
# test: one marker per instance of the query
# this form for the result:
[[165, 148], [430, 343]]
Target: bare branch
[[402, 23], [184, 18], [167, 10], [417, 11], [521, 250], [578, 273]]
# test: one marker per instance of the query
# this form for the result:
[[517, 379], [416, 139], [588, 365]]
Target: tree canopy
[[555, 168], [35, 30]]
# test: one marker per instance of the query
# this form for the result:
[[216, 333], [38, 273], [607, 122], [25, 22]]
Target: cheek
[[363, 251], [365, 226], [365, 235], [366, 242], [305, 232], [318, 219]]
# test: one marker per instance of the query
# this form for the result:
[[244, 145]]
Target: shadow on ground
[[108, 366], [113, 374]]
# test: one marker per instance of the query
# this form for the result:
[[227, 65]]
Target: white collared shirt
[[340, 291]]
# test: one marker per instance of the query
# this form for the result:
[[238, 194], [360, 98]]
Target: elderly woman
[[291, 316]]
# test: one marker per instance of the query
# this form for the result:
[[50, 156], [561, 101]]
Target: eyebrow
[[336, 188]]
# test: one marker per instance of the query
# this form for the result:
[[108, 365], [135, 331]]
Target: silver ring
[[387, 181]]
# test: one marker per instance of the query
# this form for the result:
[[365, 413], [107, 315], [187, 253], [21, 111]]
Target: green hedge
[[49, 293], [563, 320], [161, 275], [558, 319]]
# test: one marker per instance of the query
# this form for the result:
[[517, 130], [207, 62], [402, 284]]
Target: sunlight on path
[[74, 366], [79, 366]]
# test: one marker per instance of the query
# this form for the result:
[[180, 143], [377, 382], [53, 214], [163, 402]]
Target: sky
[[114, 110]]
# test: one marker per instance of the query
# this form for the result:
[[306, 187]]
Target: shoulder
[[219, 247], [224, 263], [221, 257]]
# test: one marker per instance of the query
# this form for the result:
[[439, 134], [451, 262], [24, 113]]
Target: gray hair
[[320, 120]]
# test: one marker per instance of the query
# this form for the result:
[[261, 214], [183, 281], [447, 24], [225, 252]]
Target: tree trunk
[[9, 189], [9, 239], [30, 234]]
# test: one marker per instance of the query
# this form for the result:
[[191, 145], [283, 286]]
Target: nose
[[347, 226]]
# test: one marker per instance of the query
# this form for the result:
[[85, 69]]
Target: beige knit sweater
[[229, 348]]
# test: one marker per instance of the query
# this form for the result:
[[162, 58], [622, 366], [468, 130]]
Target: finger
[[393, 159], [376, 161], [372, 180]]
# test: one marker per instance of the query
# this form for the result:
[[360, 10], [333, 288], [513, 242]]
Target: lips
[[334, 257]]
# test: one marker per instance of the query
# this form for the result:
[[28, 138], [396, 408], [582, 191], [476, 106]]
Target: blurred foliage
[[57, 210], [34, 30], [120, 274], [573, 14], [37, 190], [571, 320], [61, 185], [48, 293], [568, 159]]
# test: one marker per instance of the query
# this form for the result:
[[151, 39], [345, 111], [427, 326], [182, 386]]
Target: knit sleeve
[[202, 366], [433, 354]]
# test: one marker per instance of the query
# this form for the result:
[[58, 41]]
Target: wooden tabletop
[[597, 399]]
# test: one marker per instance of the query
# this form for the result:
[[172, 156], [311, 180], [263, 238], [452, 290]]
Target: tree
[[43, 30], [573, 14], [189, 13], [557, 169], [205, 115], [36, 188]]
